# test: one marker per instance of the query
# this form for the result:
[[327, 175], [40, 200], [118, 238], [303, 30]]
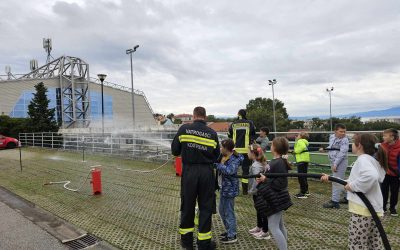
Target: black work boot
[[206, 245], [187, 241]]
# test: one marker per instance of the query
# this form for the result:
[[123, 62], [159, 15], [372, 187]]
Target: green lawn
[[141, 210]]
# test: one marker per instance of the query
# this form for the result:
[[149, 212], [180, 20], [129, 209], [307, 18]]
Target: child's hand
[[262, 178], [321, 150], [325, 178], [334, 168], [348, 187], [224, 159]]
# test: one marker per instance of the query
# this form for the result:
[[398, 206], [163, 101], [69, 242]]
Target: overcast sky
[[220, 54]]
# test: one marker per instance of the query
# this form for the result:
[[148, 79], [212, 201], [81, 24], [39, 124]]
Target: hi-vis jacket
[[301, 150], [196, 143], [242, 131]]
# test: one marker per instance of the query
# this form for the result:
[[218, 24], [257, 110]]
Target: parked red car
[[8, 142]]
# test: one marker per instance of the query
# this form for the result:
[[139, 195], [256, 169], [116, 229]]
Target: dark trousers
[[392, 183], [262, 220], [302, 167], [245, 171], [197, 183]]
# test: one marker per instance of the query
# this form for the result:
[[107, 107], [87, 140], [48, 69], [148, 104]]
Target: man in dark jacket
[[198, 146], [243, 132]]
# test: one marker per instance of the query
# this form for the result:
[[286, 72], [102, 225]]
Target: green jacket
[[301, 151]]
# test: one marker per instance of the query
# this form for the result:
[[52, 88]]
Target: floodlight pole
[[272, 83], [101, 78], [130, 52], [329, 90]]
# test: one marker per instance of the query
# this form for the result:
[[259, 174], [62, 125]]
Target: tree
[[260, 111], [13, 126], [316, 124], [211, 118], [177, 121], [296, 125], [41, 118]]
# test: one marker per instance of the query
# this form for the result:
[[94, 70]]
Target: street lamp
[[272, 83], [130, 52], [101, 78], [329, 90]]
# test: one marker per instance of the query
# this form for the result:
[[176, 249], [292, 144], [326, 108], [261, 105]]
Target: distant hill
[[391, 112]]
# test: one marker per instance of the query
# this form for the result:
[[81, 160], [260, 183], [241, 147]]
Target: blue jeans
[[227, 213]]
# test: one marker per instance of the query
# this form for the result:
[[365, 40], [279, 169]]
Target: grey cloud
[[209, 51]]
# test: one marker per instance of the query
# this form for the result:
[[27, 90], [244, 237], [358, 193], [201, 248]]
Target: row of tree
[[260, 110]]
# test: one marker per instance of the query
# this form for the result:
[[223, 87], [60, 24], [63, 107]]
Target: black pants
[[302, 167], [262, 220], [392, 183], [245, 171], [197, 183]]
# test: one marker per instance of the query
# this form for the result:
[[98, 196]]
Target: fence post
[[33, 139], [111, 139], [52, 140], [42, 139]]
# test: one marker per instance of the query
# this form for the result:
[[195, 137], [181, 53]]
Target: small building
[[219, 126], [185, 118]]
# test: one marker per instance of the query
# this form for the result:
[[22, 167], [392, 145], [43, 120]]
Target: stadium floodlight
[[102, 77], [272, 83], [329, 90], [130, 53]]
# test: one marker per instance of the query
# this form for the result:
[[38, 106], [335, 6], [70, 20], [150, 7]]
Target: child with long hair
[[367, 173], [256, 154], [276, 198]]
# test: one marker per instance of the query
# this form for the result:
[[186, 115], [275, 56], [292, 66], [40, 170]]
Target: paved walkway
[[17, 232]]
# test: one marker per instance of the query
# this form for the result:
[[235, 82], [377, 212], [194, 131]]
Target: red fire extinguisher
[[96, 180]]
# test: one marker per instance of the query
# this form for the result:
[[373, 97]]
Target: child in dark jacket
[[276, 198], [228, 168]]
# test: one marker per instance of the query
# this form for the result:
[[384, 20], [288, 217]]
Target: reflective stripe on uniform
[[241, 150], [198, 140], [186, 230], [204, 236], [244, 180]]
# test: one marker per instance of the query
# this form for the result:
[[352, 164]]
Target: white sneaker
[[255, 230], [262, 236]]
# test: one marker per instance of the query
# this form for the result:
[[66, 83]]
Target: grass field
[[140, 210]]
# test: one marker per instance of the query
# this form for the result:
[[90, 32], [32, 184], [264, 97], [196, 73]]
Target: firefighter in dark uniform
[[243, 132], [199, 148]]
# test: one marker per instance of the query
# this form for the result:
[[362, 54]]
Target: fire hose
[[337, 180], [144, 171], [66, 183]]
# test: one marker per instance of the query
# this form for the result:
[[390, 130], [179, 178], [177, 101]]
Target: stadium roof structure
[[74, 78]]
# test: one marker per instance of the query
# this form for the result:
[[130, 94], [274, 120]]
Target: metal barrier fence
[[154, 144], [133, 145]]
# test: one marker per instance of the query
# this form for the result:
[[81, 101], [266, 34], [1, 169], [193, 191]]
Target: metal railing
[[148, 145], [141, 144]]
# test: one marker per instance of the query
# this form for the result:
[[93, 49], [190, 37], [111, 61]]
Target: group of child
[[270, 195], [374, 165]]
